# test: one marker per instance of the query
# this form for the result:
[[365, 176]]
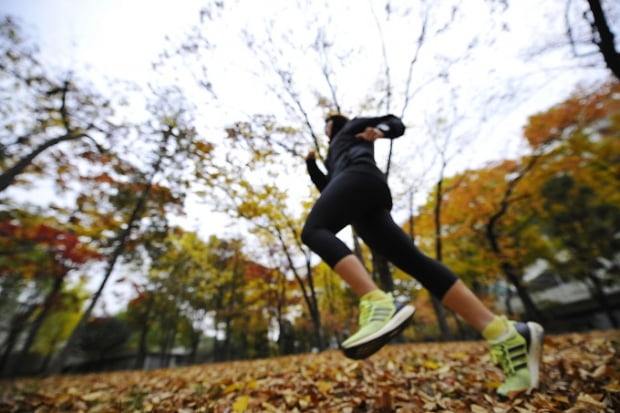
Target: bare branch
[[322, 45], [414, 59], [387, 74]]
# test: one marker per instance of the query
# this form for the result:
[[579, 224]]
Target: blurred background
[[153, 183]]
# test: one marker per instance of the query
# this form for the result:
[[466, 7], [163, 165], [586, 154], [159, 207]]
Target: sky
[[114, 39], [119, 39]]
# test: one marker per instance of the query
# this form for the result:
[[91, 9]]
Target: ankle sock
[[375, 295], [495, 329]]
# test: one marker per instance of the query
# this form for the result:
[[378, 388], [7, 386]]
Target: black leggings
[[364, 201]]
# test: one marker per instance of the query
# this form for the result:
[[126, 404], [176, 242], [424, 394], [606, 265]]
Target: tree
[[246, 190], [174, 142], [591, 28], [493, 236], [591, 242], [198, 287], [104, 335], [57, 327], [528, 210], [601, 34], [139, 316], [39, 254], [264, 206], [44, 114], [579, 202], [488, 194], [444, 144]]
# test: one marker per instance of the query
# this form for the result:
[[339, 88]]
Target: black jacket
[[346, 152]]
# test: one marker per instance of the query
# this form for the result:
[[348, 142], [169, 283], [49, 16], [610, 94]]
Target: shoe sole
[[534, 354], [374, 342]]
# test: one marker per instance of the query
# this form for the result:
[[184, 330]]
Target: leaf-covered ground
[[581, 374]]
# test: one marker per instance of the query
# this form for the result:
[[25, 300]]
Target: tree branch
[[606, 42]]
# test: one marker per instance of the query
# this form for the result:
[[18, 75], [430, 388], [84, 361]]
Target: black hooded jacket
[[346, 152]]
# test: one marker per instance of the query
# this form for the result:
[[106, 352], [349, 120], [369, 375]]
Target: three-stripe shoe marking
[[372, 343]]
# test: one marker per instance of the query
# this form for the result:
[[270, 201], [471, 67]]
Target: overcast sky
[[112, 38], [119, 39]]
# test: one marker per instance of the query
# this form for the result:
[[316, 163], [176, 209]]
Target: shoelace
[[511, 357]]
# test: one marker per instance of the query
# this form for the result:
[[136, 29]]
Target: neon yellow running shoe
[[379, 322], [519, 355]]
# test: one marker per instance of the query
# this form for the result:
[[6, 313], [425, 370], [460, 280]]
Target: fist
[[370, 134]]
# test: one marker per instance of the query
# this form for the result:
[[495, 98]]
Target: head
[[333, 124]]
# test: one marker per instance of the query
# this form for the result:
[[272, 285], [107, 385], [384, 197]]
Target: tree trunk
[[48, 356], [381, 267], [170, 342], [195, 342], [58, 364], [508, 302], [144, 332], [308, 291], [459, 326], [381, 272], [313, 307], [228, 351], [316, 314], [511, 274], [531, 310], [357, 248], [141, 355], [606, 43], [440, 313], [444, 329], [36, 325], [599, 295], [16, 327]]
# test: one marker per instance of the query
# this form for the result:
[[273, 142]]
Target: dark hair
[[338, 121]]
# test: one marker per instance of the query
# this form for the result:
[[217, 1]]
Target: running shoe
[[519, 355], [379, 321]]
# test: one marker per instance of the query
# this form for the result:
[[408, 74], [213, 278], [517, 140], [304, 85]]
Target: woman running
[[355, 192]]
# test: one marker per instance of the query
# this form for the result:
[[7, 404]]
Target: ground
[[581, 373]]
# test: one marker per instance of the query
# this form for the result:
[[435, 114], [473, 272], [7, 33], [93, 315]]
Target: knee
[[307, 234]]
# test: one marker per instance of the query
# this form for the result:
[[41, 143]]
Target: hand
[[311, 156], [370, 134]]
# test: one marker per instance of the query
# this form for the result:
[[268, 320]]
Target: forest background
[[178, 204]]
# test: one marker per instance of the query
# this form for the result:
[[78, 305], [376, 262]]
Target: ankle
[[374, 295], [495, 329]]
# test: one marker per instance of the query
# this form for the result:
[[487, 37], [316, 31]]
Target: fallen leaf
[[478, 409], [580, 374], [241, 404], [588, 400], [430, 364], [324, 386], [98, 395], [613, 387]]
